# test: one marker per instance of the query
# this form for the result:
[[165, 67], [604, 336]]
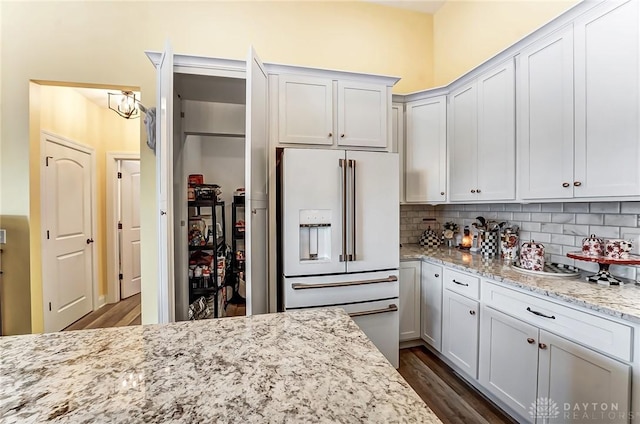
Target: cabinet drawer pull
[[460, 284], [542, 345], [530, 340], [390, 308], [300, 286], [472, 312], [540, 314]]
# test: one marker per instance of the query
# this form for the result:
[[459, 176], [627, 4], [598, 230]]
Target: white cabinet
[[578, 108], [409, 300], [305, 110], [426, 150], [607, 96], [481, 141], [431, 304], [398, 142], [325, 111], [460, 331], [520, 363]]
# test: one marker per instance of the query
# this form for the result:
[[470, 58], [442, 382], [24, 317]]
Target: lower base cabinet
[[409, 300], [431, 305], [460, 331], [546, 378]]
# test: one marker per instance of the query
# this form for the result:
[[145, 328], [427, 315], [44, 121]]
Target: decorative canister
[[532, 256], [509, 244], [429, 238], [592, 245], [489, 244], [618, 249], [195, 179]]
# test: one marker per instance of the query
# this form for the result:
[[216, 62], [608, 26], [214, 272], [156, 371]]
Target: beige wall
[[103, 43], [66, 113], [468, 32]]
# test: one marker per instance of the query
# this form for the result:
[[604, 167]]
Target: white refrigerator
[[340, 237]]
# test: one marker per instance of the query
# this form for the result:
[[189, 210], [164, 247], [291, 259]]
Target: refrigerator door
[[373, 224], [314, 210]]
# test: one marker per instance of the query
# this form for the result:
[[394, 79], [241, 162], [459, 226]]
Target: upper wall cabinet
[[481, 141], [426, 150], [601, 157], [329, 111]]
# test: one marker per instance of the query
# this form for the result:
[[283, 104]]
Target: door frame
[[96, 302], [111, 204]]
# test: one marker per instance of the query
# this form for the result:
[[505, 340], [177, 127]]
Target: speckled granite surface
[[621, 301], [309, 366]]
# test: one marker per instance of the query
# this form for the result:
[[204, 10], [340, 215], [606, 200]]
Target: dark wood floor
[[448, 395], [121, 314]]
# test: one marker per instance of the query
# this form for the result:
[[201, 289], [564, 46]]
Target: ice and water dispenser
[[315, 235]]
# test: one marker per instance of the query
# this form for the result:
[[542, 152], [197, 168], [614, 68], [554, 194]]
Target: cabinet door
[[607, 74], [462, 144], [460, 331], [497, 134], [577, 377], [363, 112], [397, 138], [545, 117], [409, 300], [431, 304], [509, 360], [305, 110], [426, 150]]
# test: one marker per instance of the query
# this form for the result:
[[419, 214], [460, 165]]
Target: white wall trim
[[111, 204], [48, 135], [101, 301]]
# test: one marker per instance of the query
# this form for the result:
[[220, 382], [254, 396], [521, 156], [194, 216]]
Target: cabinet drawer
[[590, 330], [465, 284]]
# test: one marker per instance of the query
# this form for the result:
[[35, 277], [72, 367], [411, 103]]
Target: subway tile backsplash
[[559, 226]]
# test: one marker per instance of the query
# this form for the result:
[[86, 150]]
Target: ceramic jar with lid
[[429, 238], [532, 256], [592, 245], [618, 249]]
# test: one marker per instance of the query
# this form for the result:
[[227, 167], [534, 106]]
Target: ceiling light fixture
[[124, 104]]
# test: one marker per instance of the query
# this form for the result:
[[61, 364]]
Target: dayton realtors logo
[[548, 410]]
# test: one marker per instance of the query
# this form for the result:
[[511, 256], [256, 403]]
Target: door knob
[[472, 312], [436, 275], [341, 135], [530, 340], [565, 185], [330, 135], [478, 191], [473, 191], [542, 345], [442, 193], [577, 183], [89, 240]]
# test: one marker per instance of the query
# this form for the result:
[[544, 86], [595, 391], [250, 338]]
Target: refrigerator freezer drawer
[[302, 292], [380, 321]]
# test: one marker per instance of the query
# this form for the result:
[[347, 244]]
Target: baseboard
[[102, 300], [411, 343]]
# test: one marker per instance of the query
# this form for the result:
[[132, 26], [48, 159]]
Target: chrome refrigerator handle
[[343, 166], [352, 165]]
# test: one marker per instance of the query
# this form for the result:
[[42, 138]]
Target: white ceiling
[[424, 6]]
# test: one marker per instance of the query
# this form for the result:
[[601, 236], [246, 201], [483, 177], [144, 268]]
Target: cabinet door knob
[[478, 191], [473, 191], [442, 193], [436, 275], [341, 135], [530, 340], [330, 135], [577, 183], [472, 312], [565, 185], [542, 345]]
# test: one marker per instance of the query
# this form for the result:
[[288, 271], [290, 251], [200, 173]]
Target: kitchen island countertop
[[308, 366], [618, 301]]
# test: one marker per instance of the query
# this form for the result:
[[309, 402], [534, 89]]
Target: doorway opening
[[72, 129]]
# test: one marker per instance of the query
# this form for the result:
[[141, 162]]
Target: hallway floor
[[121, 314]]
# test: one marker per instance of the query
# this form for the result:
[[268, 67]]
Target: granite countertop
[[617, 301], [308, 366]]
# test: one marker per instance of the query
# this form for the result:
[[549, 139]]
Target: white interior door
[[164, 183], [67, 272], [373, 236], [256, 193], [130, 233]]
